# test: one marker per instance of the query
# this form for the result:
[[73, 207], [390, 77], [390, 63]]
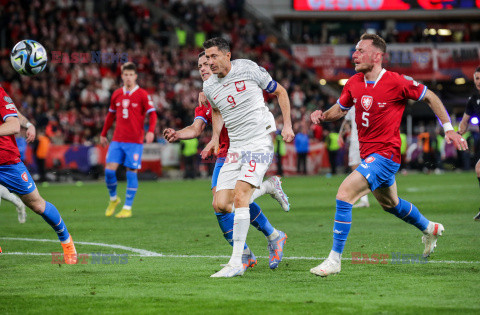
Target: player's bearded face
[[129, 78], [364, 56], [219, 61]]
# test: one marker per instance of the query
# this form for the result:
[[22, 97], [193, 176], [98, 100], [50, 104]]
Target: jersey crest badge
[[367, 102], [369, 159], [25, 177], [240, 85], [125, 103]]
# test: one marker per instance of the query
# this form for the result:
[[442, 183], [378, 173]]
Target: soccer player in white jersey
[[354, 159], [235, 91]]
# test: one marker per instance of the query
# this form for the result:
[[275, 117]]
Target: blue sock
[[52, 217], [341, 226], [111, 180], [225, 220], [410, 214], [132, 186], [259, 220]]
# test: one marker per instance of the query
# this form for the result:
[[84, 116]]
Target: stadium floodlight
[[474, 120]]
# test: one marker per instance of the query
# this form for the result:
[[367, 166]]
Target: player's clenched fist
[[170, 135], [287, 134], [317, 117]]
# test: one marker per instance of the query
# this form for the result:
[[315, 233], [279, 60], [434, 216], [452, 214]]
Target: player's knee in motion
[[241, 198], [34, 201]]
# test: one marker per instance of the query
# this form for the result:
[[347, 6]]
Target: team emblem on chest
[[125, 103], [240, 85], [367, 102]]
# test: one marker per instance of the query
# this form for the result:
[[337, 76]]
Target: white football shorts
[[247, 163]]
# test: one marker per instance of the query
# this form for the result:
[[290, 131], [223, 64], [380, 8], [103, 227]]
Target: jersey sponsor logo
[[369, 159], [381, 104], [25, 177], [125, 103], [7, 99], [11, 107], [367, 102], [240, 85]]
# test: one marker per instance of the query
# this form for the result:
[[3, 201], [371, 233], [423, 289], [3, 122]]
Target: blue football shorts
[[128, 154], [378, 171], [16, 178], [216, 171]]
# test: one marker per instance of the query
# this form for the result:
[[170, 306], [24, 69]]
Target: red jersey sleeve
[[346, 100], [412, 89], [7, 108], [203, 113], [113, 107]]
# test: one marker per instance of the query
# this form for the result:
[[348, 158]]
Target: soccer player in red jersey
[[379, 97], [16, 178], [129, 105], [272, 186]]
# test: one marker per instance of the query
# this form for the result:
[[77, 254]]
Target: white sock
[[337, 257], [241, 223], [127, 207], [113, 198], [273, 236], [5, 194], [364, 199], [264, 188]]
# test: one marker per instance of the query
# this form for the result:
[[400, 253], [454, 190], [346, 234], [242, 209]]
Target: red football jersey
[[379, 107], [131, 109], [9, 153], [205, 114]]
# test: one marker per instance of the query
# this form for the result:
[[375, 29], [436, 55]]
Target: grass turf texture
[[176, 218]]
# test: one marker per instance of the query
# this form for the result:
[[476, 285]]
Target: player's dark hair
[[377, 41], [477, 70], [129, 66], [219, 42], [200, 55]]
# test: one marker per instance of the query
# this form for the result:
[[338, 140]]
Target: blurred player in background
[[472, 109], [4, 192], [272, 186], [379, 97], [16, 178], [354, 159], [235, 92], [129, 105]]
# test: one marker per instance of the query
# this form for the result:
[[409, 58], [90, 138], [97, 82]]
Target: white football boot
[[278, 194], [431, 234]]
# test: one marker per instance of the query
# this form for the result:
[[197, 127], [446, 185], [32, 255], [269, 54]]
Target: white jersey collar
[[132, 91], [378, 78]]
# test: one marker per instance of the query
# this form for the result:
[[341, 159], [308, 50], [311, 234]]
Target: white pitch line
[[130, 249], [146, 253]]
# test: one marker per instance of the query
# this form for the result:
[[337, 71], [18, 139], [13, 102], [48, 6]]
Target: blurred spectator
[[302, 148], [42, 145], [189, 155], [331, 141]]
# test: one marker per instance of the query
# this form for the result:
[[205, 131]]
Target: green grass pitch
[[175, 218]]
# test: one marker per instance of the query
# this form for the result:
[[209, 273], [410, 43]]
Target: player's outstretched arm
[[462, 128], [10, 127], [108, 123], [334, 113], [31, 131], [284, 102], [189, 132], [437, 107]]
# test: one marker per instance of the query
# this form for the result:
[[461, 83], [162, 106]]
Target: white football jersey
[[239, 98], [350, 116]]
